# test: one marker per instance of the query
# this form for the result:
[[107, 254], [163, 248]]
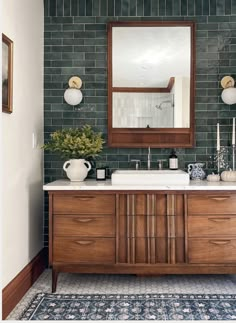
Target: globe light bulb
[[73, 96], [228, 95]]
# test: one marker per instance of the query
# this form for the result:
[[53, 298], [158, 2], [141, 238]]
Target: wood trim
[[8, 108], [140, 89], [50, 230], [146, 89], [159, 268], [186, 260], [117, 226], [16, 289], [171, 83]]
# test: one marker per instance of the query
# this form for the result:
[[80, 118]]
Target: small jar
[[101, 174]]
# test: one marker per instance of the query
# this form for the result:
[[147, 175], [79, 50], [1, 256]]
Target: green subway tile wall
[[76, 44]]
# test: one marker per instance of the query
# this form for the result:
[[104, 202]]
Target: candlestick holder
[[220, 158], [233, 153]]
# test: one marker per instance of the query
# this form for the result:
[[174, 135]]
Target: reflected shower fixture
[[73, 95], [228, 95], [163, 102]]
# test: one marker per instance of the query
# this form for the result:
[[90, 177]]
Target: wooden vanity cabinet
[[141, 232]]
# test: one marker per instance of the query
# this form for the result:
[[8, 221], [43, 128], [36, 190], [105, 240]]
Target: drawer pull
[[218, 219], [84, 243], [219, 198], [220, 242], [83, 198], [83, 220]]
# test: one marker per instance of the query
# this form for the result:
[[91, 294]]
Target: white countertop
[[91, 184]]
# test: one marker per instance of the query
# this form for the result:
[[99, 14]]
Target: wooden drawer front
[[212, 204], [84, 250], [199, 226], [212, 251], [69, 225], [84, 204]]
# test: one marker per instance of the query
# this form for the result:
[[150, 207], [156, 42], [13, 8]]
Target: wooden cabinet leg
[[54, 280]]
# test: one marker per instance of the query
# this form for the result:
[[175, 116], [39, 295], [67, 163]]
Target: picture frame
[[7, 74]]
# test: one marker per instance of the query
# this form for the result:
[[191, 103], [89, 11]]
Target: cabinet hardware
[[218, 198], [220, 242], [218, 219], [83, 198], [84, 243], [83, 220]]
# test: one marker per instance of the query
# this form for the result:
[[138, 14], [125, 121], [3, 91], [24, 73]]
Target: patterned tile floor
[[128, 284]]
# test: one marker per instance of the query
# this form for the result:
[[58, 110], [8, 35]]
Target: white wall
[[22, 223]]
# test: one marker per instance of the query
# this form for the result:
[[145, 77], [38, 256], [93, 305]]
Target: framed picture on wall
[[7, 73]]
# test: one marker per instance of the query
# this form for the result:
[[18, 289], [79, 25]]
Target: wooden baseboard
[[16, 289]]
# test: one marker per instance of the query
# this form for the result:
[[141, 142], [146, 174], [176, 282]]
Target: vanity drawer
[[71, 225], [83, 204], [211, 225], [212, 204], [211, 251], [84, 250]]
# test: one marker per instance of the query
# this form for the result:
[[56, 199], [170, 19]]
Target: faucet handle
[[160, 163], [137, 163]]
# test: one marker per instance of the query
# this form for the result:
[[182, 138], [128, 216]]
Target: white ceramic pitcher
[[77, 169]]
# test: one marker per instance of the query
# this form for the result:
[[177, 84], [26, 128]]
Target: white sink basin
[[149, 177]]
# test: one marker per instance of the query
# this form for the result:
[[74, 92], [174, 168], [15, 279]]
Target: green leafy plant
[[76, 143]]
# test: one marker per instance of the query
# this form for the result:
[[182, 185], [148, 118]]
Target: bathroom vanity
[[97, 227]]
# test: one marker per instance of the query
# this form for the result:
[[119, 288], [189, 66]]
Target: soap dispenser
[[173, 160]]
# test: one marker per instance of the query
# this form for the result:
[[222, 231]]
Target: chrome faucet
[[149, 158]]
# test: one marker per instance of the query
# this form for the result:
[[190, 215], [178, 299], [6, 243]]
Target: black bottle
[[173, 160]]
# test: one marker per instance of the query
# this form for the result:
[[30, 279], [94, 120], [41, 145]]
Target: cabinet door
[[150, 229]]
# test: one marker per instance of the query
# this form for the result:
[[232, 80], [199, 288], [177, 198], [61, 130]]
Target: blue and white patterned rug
[[131, 307]]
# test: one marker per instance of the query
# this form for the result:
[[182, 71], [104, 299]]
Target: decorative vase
[[228, 176], [76, 169], [196, 172], [213, 177]]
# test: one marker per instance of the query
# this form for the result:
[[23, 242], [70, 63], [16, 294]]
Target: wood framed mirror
[[151, 80]]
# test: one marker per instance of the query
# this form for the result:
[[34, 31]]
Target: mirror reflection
[[151, 69]]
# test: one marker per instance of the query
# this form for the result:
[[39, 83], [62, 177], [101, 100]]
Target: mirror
[[150, 84]]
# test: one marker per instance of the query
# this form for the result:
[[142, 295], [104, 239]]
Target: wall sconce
[[73, 95], [228, 95]]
